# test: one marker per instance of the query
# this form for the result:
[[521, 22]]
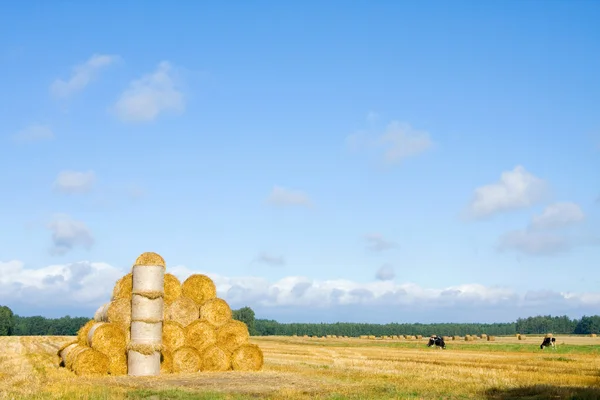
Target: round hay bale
[[419, 337], [166, 362], [146, 332], [247, 357], [82, 333], [123, 287], [593, 335], [117, 364], [173, 336], [100, 312], [548, 335], [183, 310], [216, 312], [172, 288], [118, 312], [141, 364], [186, 359], [232, 335], [71, 355], [145, 309], [200, 334], [491, 338], [148, 279], [215, 359], [199, 288], [521, 337], [149, 259], [107, 338], [64, 351], [90, 362]]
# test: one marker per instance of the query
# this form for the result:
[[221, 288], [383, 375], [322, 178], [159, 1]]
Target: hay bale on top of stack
[[197, 332]]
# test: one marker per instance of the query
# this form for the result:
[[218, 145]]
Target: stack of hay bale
[[154, 324]]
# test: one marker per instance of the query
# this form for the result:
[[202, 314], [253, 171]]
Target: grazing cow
[[437, 341], [548, 342]]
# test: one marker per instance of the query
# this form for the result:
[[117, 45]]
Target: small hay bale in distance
[[232, 335], [82, 333], [183, 310], [173, 336], [108, 339], [90, 362], [199, 288], [491, 338], [200, 335], [166, 362], [593, 335], [215, 359], [216, 312], [123, 287], [548, 335], [483, 336], [186, 359], [521, 337], [247, 357], [172, 288]]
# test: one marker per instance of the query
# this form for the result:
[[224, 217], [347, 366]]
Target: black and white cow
[[548, 342], [437, 341]]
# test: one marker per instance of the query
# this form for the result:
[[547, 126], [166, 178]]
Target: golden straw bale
[[146, 349], [199, 288], [119, 313], [247, 357], [183, 310], [491, 338], [82, 333], [216, 312], [172, 288], [173, 335], [89, 362], [72, 354], [123, 287], [200, 334], [419, 337], [232, 335], [186, 359], [548, 335], [117, 364], [107, 338], [215, 359], [64, 351], [593, 335], [150, 258], [166, 362]]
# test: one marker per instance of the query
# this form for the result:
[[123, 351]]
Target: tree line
[[11, 324]]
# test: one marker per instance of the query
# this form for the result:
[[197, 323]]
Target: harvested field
[[319, 368]]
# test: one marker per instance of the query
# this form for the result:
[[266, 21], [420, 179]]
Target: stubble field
[[310, 368]]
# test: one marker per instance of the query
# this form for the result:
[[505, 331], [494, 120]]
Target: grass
[[331, 369]]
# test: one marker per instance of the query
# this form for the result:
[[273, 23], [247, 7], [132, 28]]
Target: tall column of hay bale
[[143, 356]]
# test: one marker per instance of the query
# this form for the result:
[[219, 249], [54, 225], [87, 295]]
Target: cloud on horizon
[[89, 285]]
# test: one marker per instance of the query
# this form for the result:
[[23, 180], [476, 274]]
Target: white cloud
[[385, 273], [376, 242], [402, 141], [151, 95], [270, 259], [68, 233], [534, 242], [281, 196], [558, 215], [294, 298], [82, 75], [516, 189], [74, 181], [34, 133]]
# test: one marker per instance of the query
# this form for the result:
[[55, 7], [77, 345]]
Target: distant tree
[[6, 321], [588, 325]]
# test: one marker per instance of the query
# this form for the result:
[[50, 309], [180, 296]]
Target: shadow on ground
[[543, 392]]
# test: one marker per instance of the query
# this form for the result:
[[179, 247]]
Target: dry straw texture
[[150, 258], [521, 337], [82, 334], [118, 312], [166, 362], [548, 335], [173, 336], [216, 312], [491, 338], [117, 364], [90, 362], [107, 338], [172, 288], [248, 357], [64, 351], [593, 335], [146, 349], [215, 359], [149, 294], [183, 310], [200, 334], [123, 287], [232, 335], [199, 288], [186, 359]]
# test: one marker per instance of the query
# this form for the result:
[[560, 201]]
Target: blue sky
[[384, 161]]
